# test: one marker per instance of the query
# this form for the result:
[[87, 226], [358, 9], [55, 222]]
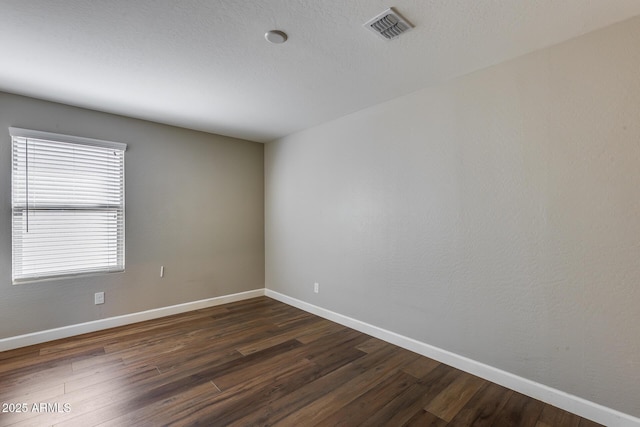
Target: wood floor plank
[[100, 401], [33, 379], [312, 391], [232, 402], [421, 367], [109, 398], [552, 416], [321, 330], [326, 403], [588, 423], [520, 411], [292, 332], [372, 344], [30, 395], [18, 367], [452, 399], [423, 418], [141, 416], [98, 374], [484, 406], [401, 409], [253, 362], [357, 411], [183, 383], [398, 410]]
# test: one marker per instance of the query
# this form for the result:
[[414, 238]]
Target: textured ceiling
[[204, 64]]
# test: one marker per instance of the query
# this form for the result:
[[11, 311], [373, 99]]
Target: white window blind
[[68, 205]]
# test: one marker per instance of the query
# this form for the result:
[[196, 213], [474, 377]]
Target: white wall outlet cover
[[99, 298]]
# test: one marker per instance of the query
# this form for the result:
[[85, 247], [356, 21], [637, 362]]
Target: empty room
[[300, 213]]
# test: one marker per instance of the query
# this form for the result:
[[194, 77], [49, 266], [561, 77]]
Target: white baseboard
[[126, 319], [577, 405]]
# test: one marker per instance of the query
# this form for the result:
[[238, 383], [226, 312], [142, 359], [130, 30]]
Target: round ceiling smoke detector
[[275, 36]]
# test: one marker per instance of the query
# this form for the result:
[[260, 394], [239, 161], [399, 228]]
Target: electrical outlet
[[316, 287], [98, 298]]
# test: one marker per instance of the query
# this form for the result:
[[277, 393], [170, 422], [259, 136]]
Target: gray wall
[[496, 216], [194, 203]]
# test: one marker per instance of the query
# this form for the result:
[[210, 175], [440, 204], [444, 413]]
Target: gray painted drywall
[[496, 216], [194, 203]]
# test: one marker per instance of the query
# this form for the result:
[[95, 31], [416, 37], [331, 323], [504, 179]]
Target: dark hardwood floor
[[254, 362]]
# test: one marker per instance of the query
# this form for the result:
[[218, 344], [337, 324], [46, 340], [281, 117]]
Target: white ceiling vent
[[389, 24]]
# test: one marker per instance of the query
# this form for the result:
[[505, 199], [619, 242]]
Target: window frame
[[27, 134]]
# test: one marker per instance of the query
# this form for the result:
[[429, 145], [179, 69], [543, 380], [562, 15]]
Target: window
[[68, 205]]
